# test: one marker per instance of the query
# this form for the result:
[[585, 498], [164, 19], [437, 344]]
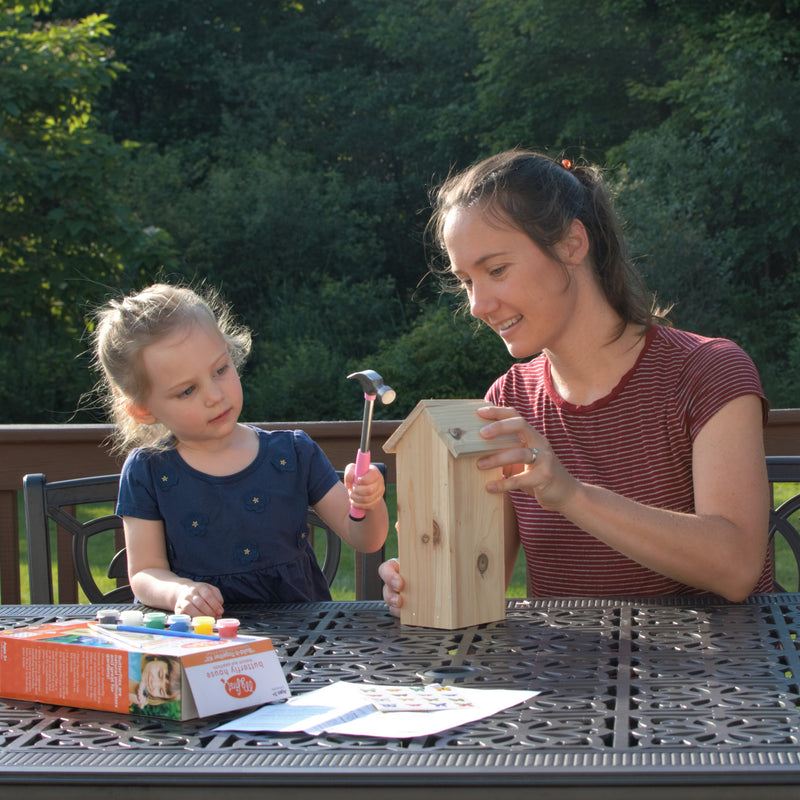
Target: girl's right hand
[[199, 600], [393, 585]]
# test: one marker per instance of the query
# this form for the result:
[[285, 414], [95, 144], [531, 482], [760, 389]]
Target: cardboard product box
[[83, 664]]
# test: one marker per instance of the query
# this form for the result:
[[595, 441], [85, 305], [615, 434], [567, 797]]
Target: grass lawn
[[343, 587]]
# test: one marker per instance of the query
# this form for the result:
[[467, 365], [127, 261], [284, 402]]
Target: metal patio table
[[653, 697]]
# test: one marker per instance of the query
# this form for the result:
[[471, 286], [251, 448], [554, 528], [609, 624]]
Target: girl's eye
[[495, 272], [222, 369], [186, 392]]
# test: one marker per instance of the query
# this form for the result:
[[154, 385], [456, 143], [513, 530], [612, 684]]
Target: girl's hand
[[532, 467], [199, 600], [393, 584], [367, 492]]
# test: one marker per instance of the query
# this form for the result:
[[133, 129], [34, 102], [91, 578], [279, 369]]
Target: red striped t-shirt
[[636, 441]]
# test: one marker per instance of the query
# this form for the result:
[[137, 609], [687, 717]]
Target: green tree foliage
[[555, 75], [61, 232], [709, 192], [307, 347], [446, 353], [284, 152], [301, 187]]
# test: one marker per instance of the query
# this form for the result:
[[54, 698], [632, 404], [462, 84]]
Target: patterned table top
[[687, 691]]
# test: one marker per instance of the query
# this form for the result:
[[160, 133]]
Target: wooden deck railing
[[72, 451]]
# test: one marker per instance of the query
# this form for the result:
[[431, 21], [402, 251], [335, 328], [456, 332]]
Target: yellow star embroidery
[[256, 500], [247, 551], [164, 479], [195, 523], [283, 462]]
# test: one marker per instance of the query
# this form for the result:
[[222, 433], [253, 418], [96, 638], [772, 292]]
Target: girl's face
[[155, 679], [520, 292], [194, 387]]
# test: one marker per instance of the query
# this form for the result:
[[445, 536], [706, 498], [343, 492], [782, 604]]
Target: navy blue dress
[[244, 533]]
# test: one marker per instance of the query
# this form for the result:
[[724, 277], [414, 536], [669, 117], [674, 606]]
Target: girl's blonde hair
[[128, 325]]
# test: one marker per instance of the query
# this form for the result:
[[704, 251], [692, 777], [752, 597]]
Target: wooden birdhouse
[[450, 529]]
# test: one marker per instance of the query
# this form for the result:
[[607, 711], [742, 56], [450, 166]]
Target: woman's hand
[[393, 585], [531, 467], [199, 600]]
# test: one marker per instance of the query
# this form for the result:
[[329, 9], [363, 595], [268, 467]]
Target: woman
[[640, 467]]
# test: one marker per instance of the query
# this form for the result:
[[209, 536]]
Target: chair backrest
[[59, 501], [782, 521]]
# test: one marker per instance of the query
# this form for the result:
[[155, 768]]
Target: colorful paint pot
[[203, 625], [108, 617], [131, 617], [228, 628], [155, 619], [179, 622]]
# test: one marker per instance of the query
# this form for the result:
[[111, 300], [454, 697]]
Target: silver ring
[[534, 453]]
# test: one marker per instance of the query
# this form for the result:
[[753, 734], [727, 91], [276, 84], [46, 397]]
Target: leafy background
[[284, 151]]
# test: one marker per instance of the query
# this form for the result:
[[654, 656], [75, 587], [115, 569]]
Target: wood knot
[[483, 563], [456, 433], [436, 536]]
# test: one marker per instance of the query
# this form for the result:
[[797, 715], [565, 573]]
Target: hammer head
[[373, 384]]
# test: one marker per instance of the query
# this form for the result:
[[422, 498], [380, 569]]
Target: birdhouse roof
[[455, 423]]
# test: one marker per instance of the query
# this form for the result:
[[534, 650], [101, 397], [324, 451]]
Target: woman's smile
[[503, 327]]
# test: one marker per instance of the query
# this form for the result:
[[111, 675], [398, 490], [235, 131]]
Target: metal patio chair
[[785, 469]]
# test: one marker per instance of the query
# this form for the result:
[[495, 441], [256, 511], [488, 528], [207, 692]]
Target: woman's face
[[155, 679], [520, 292]]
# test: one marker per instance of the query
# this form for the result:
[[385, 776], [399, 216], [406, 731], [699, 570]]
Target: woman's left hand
[[531, 467]]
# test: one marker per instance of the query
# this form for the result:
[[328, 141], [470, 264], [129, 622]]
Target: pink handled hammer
[[373, 387]]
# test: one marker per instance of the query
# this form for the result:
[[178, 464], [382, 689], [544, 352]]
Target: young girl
[[213, 510], [640, 468]]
